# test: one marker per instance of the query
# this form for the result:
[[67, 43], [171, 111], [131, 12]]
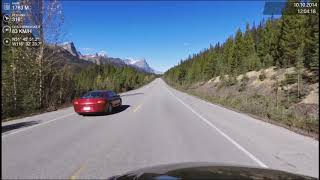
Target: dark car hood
[[203, 170]]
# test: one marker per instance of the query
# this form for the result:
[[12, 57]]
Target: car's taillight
[[75, 102], [101, 102]]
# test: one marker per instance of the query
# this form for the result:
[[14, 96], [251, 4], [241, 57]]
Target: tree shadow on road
[[17, 126]]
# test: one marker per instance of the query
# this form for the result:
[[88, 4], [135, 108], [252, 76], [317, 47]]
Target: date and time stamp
[[306, 7], [296, 8]]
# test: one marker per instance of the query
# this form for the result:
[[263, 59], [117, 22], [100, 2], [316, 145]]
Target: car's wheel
[[109, 109]]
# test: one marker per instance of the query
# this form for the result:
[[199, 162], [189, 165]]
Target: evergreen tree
[[299, 68], [267, 60], [227, 56], [237, 65], [248, 43], [292, 35], [273, 42]]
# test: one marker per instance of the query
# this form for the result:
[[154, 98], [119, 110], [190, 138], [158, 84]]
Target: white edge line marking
[[46, 122], [222, 133]]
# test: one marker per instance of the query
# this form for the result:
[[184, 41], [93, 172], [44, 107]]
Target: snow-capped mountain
[[102, 54], [89, 56], [141, 64], [129, 61], [69, 46], [102, 58]]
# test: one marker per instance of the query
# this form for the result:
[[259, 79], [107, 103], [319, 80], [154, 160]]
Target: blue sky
[[163, 32]]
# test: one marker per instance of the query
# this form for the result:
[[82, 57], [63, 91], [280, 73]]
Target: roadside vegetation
[[22, 93], [289, 44], [37, 79], [118, 79]]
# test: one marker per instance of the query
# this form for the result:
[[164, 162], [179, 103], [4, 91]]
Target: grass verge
[[262, 108]]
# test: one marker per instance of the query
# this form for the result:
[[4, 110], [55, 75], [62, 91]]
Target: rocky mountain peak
[[69, 46]]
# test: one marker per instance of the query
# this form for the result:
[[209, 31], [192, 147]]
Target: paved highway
[[156, 125]]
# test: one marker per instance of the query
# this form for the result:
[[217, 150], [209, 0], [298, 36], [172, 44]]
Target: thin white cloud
[[87, 49], [102, 53], [186, 44]]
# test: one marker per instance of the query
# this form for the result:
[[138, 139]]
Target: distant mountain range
[[102, 58], [140, 64]]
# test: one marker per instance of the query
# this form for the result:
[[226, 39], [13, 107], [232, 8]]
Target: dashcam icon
[[6, 29], [6, 41], [6, 18], [6, 6]]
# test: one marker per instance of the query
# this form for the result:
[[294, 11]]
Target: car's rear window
[[92, 95]]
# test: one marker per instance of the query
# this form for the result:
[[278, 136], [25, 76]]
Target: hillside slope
[[270, 70], [268, 94]]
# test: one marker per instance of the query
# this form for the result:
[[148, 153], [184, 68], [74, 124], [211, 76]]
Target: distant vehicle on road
[[99, 101]]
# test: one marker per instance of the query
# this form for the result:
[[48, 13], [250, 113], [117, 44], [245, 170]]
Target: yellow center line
[[77, 172], [137, 108]]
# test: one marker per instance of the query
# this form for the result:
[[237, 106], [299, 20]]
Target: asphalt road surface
[[156, 125]]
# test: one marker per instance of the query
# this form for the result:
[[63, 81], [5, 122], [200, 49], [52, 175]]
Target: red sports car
[[97, 102]]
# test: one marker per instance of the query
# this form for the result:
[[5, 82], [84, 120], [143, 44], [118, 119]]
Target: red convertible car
[[99, 101]]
